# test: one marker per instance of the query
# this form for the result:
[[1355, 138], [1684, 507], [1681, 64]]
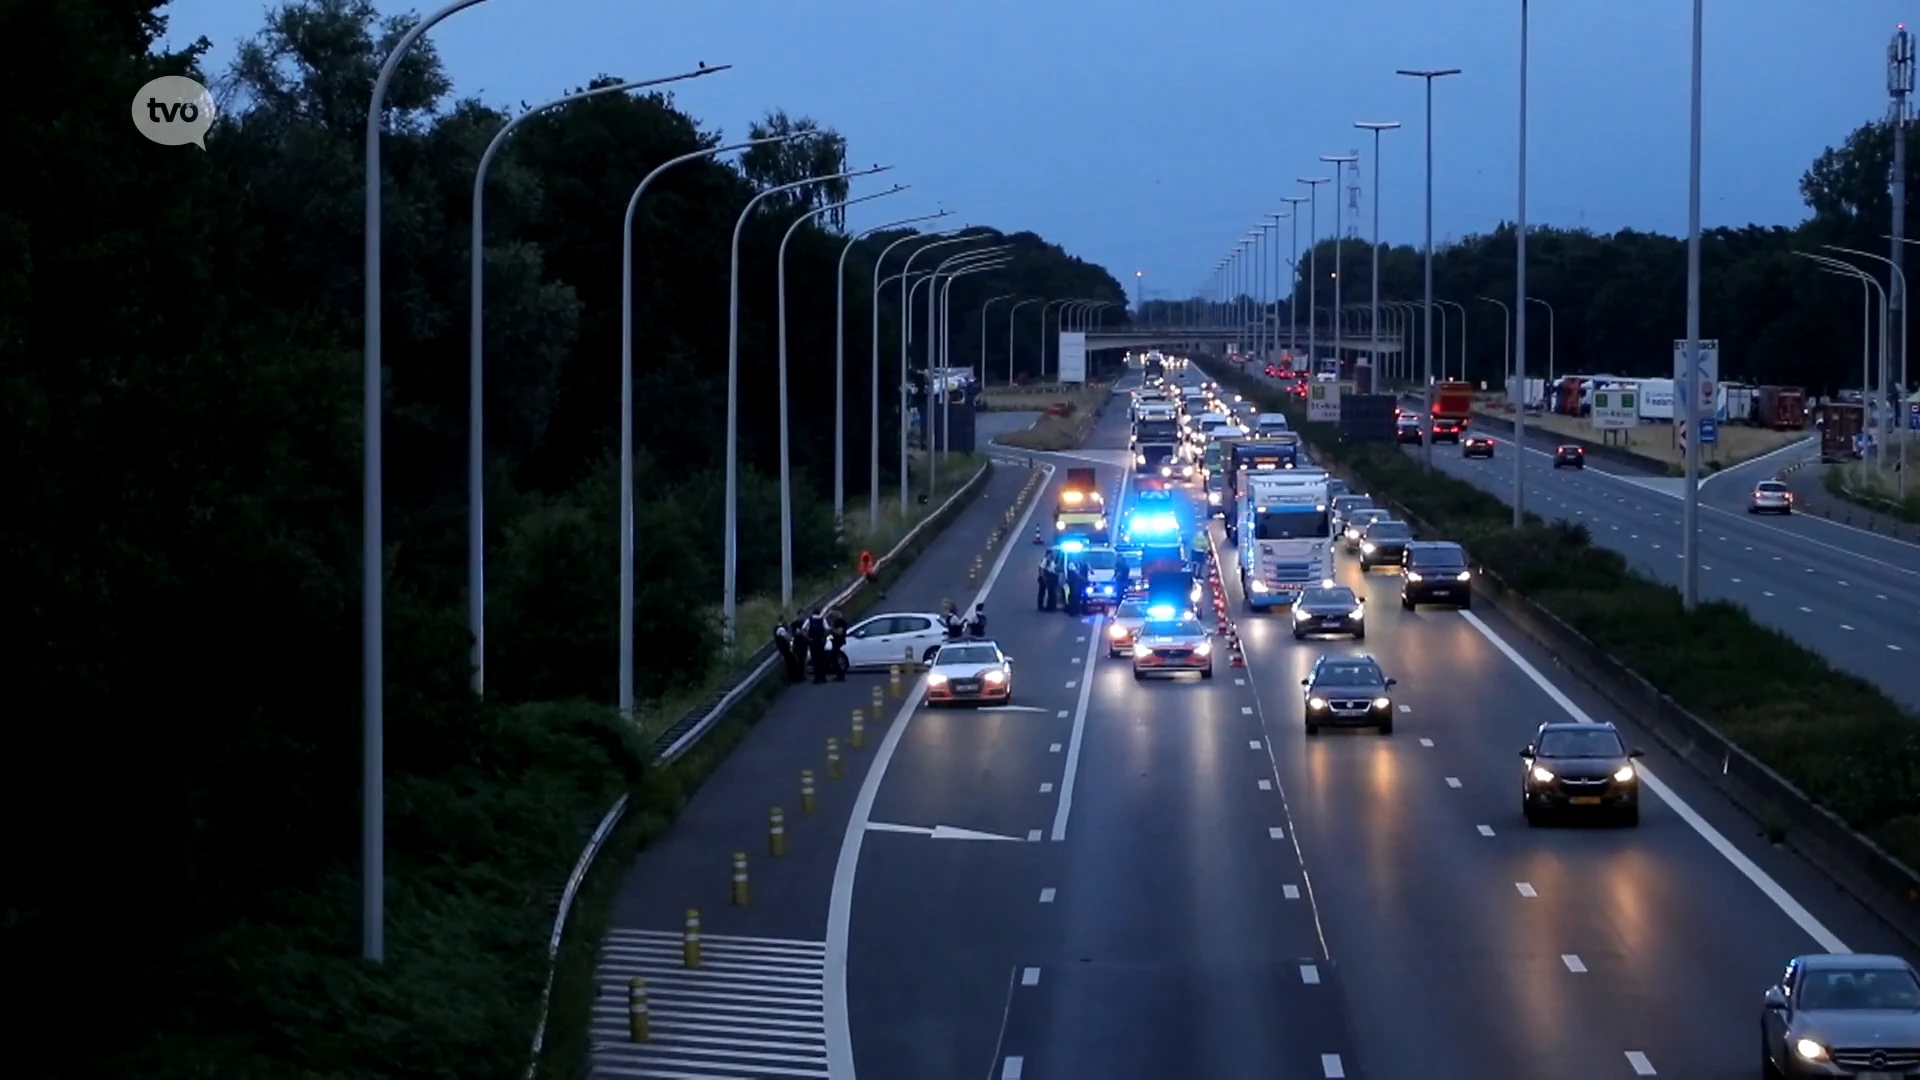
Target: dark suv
[[1436, 573], [1575, 767], [1569, 457]]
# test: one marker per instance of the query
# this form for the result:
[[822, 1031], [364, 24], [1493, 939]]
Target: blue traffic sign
[[1709, 431]]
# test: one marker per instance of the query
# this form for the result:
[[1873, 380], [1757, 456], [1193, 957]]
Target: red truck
[[1781, 407], [1452, 408], [1839, 422]]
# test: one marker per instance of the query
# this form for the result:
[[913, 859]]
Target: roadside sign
[[1709, 431], [1615, 409], [1323, 402], [1704, 388]]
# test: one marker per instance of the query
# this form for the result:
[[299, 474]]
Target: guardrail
[[682, 737]]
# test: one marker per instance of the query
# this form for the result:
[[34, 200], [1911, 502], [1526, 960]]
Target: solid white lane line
[[1763, 881], [1574, 963], [1485, 830], [1030, 976], [1310, 974], [1074, 742], [840, 901], [1525, 888], [1641, 1066]]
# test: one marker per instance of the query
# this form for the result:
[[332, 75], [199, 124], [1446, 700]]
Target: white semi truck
[[1285, 530]]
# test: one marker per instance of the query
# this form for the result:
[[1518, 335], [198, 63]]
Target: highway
[[1181, 883], [1843, 592]]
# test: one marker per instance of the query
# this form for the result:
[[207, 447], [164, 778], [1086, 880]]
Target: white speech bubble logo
[[173, 110]]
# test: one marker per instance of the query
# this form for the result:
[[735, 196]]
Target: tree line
[[180, 358], [1619, 299]]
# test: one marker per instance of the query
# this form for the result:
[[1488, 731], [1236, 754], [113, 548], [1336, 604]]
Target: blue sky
[[1148, 135]]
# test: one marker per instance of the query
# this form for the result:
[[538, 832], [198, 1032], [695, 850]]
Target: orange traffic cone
[[1233, 643], [1036, 535]]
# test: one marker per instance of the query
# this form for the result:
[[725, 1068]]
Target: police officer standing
[[837, 627], [817, 645], [789, 654], [1049, 582], [978, 626], [1076, 586]]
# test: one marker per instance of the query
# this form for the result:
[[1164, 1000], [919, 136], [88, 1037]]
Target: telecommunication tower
[[1353, 195], [1899, 112]]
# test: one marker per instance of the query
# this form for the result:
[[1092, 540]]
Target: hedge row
[[1835, 736]]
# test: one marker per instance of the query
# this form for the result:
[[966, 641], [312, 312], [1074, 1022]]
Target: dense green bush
[[1833, 735]]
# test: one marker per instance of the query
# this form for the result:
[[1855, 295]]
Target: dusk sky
[[1150, 135]]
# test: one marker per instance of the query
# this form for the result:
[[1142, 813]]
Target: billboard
[[1615, 408], [1323, 402], [1073, 356]]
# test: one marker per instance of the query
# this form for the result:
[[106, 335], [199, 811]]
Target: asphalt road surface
[[1189, 886], [1846, 593]]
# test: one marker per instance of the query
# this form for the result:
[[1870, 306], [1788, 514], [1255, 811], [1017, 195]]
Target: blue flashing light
[[1161, 612], [1153, 524], [1073, 545]]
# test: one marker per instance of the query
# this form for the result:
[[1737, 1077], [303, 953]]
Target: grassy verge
[[1860, 483], [1836, 737], [757, 614], [1737, 442], [654, 803], [1069, 428]]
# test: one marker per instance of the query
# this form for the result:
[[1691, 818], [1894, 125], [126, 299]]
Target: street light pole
[[1011, 312], [476, 352], [1313, 269], [935, 339], [373, 554], [1339, 226], [983, 334], [730, 567], [780, 321], [1426, 316], [1506, 352], [1552, 335], [840, 367], [906, 322], [1293, 277], [627, 522], [1048, 306], [1690, 512], [1445, 304], [1376, 127]]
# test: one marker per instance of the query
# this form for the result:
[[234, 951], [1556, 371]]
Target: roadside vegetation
[[1067, 418], [1861, 483], [1833, 735], [180, 350]]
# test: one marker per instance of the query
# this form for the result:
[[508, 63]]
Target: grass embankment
[[1065, 430], [1861, 483], [1836, 737], [756, 615], [657, 800], [1738, 442]]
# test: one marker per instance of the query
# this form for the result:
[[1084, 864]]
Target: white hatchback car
[[1770, 497], [880, 641]]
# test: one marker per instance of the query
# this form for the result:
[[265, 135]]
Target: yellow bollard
[[808, 802], [893, 679], [639, 1024], [907, 660], [777, 832], [878, 696], [858, 738], [833, 759], [690, 940], [739, 879]]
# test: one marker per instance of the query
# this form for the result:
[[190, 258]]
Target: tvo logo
[[174, 110]]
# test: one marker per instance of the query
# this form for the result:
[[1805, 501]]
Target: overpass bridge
[[1190, 337]]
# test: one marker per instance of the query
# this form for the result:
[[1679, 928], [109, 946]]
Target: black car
[[1336, 610], [1579, 767], [1348, 691], [1476, 446], [1407, 430], [1436, 573], [1569, 457], [1384, 543], [1344, 505]]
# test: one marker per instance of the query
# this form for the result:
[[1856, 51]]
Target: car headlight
[[1810, 1050], [1624, 774], [1166, 470], [1142, 649], [1357, 613], [1382, 703], [1367, 547], [1411, 576], [1465, 575], [1259, 586], [1116, 632], [1316, 703], [1205, 648], [1186, 470], [1213, 497], [996, 676], [1543, 774], [1139, 459], [1300, 613], [936, 679]]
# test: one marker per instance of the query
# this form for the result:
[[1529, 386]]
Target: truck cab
[[1286, 536], [1081, 511]]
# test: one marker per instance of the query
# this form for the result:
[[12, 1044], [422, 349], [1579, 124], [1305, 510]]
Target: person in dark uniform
[[790, 659], [837, 631], [1049, 582], [1076, 587], [816, 632], [978, 626], [1121, 575]]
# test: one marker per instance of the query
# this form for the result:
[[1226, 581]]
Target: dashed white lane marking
[[1310, 974], [1736, 581], [1011, 1068], [1331, 1068], [1766, 592], [1641, 1066], [1574, 963], [1406, 708], [1844, 626], [1033, 836], [1046, 896], [1805, 609], [1879, 596], [1485, 830], [1246, 710], [1071, 683], [1030, 976], [1525, 889], [1075, 660], [1061, 715], [1453, 781], [1046, 788], [1291, 892], [1080, 639], [1243, 682], [754, 1005], [1053, 748], [1266, 785], [1277, 833], [1253, 744], [1896, 648]]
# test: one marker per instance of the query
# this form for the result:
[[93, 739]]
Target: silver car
[[1124, 626], [1357, 522], [1770, 497], [1842, 1014]]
